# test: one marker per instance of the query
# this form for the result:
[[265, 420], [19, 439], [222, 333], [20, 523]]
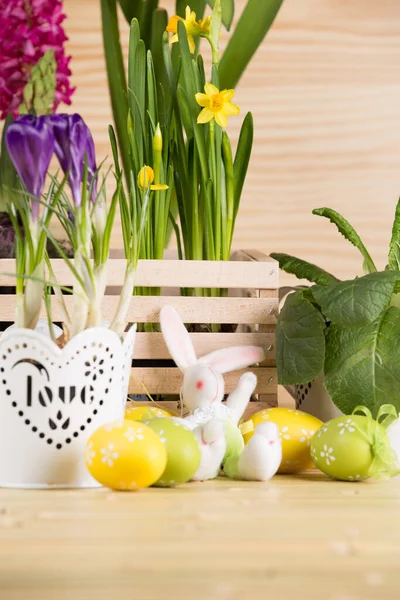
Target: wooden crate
[[252, 303]]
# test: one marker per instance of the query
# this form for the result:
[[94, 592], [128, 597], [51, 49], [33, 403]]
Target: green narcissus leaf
[[303, 269], [358, 301], [300, 341], [146, 19], [242, 158], [191, 90], [252, 27], [131, 9], [394, 248], [159, 24], [349, 233], [116, 76], [362, 363], [228, 11]]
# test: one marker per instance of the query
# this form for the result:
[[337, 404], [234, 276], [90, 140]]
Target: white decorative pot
[[52, 399], [313, 398]]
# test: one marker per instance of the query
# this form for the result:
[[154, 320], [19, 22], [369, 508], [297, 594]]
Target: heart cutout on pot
[[59, 393]]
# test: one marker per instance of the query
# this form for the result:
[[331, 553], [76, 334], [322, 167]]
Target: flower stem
[[119, 322], [100, 279], [33, 292], [80, 309]]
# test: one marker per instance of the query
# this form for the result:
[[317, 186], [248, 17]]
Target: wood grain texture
[[146, 309], [173, 273], [325, 92], [169, 380], [298, 537], [152, 345]]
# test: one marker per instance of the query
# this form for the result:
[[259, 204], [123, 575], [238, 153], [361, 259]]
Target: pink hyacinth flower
[[28, 28]]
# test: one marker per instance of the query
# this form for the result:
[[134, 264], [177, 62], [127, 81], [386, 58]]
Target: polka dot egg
[[125, 455], [296, 431], [143, 412]]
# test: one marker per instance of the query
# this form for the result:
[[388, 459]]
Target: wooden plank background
[[325, 92]]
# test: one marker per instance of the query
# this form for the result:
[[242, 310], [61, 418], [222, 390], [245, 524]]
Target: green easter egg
[[346, 448], [234, 440], [183, 451]]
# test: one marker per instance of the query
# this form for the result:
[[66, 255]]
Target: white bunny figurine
[[203, 385], [260, 459], [211, 438]]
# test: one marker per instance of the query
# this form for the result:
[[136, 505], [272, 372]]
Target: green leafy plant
[[169, 94], [148, 125], [347, 330], [208, 178], [178, 136], [84, 214]]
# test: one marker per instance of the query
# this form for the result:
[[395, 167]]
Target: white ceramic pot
[[313, 399], [52, 399]]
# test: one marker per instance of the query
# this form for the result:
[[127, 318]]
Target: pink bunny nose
[[271, 442], [199, 384]]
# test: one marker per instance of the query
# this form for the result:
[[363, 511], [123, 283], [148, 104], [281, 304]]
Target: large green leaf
[[303, 269], [362, 364], [349, 233], [394, 248], [358, 301], [300, 341], [250, 31]]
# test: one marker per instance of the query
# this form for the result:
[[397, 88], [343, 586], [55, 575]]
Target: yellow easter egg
[[143, 412], [296, 431], [125, 455]]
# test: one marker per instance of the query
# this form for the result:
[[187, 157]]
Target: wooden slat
[[174, 273], [253, 407], [152, 345], [146, 309], [254, 255], [169, 381]]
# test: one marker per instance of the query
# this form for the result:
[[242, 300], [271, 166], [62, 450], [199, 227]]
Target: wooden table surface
[[302, 537]]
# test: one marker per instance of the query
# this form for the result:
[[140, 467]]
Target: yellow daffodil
[[193, 28], [216, 105], [146, 178]]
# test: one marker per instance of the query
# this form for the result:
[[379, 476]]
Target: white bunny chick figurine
[[260, 459], [203, 385], [211, 438]]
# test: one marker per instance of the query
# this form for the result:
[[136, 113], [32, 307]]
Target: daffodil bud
[[145, 177], [157, 140], [130, 123]]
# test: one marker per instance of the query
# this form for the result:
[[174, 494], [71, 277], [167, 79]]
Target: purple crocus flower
[[73, 141], [30, 144]]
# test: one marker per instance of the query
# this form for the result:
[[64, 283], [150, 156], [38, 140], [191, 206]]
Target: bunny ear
[[230, 359], [177, 338]]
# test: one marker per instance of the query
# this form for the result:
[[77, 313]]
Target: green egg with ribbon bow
[[357, 447]]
